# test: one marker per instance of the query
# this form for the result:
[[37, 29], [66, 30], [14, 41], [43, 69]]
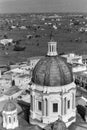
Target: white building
[[81, 79], [19, 70], [32, 61], [22, 81], [78, 67], [72, 58], [6, 41], [55, 27], [5, 83], [84, 59], [23, 27], [13, 27], [52, 90]]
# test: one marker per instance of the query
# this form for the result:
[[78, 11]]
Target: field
[[68, 37]]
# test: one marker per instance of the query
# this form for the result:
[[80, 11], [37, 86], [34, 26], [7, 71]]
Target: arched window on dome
[[14, 118], [9, 119]]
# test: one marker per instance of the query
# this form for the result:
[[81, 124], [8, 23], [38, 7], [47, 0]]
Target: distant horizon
[[43, 6], [43, 12]]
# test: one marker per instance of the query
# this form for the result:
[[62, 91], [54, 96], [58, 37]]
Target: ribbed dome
[[9, 106], [59, 125], [52, 71]]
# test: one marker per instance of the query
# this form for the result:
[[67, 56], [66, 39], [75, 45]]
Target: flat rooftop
[[77, 65], [81, 73], [84, 56], [12, 91], [35, 58], [24, 76], [72, 56]]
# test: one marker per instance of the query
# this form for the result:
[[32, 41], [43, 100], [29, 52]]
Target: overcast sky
[[10, 6]]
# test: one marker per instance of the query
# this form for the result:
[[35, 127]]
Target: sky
[[16, 6]]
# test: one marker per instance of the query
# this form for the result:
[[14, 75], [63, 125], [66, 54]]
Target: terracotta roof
[[52, 71]]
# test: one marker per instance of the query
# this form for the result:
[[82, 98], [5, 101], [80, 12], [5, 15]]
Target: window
[[13, 82], [52, 49], [9, 119], [55, 107], [68, 104], [73, 102], [39, 106], [46, 101], [14, 119], [5, 119], [65, 105]]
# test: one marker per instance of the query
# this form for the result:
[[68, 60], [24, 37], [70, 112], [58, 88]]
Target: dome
[[59, 125], [9, 106], [52, 71]]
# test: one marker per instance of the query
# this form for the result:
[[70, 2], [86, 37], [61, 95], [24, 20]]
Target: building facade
[[80, 79], [73, 58]]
